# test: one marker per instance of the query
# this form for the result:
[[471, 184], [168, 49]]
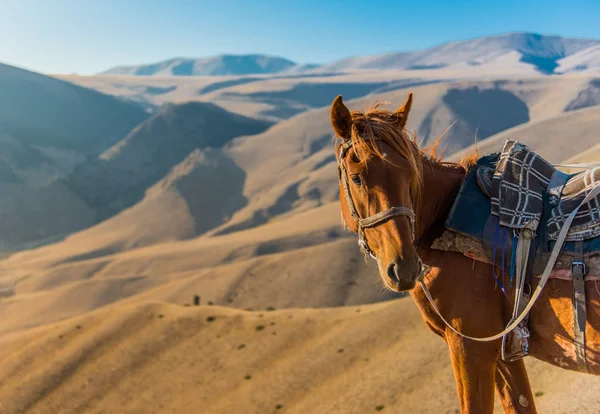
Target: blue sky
[[86, 37]]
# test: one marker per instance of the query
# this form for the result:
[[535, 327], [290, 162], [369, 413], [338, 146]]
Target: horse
[[396, 197]]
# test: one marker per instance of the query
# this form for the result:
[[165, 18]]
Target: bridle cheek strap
[[375, 219]]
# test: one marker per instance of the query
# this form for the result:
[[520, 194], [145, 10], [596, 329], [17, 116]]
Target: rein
[[584, 166], [378, 218]]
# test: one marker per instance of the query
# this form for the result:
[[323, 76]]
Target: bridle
[[375, 219]]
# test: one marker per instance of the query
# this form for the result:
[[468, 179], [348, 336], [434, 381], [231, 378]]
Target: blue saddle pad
[[472, 208]]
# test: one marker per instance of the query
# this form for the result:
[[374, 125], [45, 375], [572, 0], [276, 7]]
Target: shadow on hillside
[[590, 96], [306, 95], [476, 112]]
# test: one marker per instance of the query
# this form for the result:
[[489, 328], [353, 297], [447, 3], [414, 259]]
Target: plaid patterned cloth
[[586, 224], [520, 179]]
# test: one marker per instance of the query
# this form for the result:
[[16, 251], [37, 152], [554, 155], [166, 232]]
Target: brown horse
[[386, 178]]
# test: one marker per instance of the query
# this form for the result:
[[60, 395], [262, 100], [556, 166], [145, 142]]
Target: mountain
[[41, 110], [520, 53], [539, 52], [211, 66], [48, 125], [47, 128], [119, 177]]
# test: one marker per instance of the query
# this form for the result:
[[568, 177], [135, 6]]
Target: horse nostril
[[392, 272]]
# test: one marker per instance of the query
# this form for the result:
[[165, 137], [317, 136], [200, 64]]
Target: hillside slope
[[47, 126], [302, 260], [585, 61], [556, 139], [374, 358], [122, 174], [41, 110], [104, 186]]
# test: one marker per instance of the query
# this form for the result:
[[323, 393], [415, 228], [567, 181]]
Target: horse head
[[380, 173]]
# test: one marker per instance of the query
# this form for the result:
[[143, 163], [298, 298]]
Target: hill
[[48, 125], [249, 222], [244, 190], [119, 177], [210, 66], [66, 116], [584, 61], [302, 260], [218, 360], [306, 161], [556, 139], [589, 155]]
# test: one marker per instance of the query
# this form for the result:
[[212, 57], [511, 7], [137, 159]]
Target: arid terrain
[[129, 195]]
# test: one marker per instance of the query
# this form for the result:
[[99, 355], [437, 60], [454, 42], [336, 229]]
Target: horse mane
[[384, 124]]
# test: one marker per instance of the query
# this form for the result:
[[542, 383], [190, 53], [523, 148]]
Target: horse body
[[463, 289], [467, 295]]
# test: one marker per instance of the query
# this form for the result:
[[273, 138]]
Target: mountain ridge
[[225, 64], [540, 52]]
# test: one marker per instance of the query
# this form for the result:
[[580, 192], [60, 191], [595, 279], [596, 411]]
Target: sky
[[87, 37]]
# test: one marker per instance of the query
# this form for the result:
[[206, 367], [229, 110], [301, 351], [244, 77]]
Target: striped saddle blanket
[[517, 189]]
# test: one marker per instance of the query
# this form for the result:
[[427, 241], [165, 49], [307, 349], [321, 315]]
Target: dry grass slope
[[306, 260], [166, 358]]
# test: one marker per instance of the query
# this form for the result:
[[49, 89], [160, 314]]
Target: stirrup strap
[[579, 310], [560, 241]]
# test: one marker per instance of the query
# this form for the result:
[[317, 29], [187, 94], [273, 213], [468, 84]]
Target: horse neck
[[441, 183]]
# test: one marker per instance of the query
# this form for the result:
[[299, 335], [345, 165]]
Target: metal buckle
[[362, 243], [515, 345], [579, 263]]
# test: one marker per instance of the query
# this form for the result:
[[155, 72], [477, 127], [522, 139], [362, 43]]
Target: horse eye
[[356, 179]]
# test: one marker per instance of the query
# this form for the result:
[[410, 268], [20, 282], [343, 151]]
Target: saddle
[[509, 212]]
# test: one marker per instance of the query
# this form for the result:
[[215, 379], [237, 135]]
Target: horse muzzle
[[402, 275]]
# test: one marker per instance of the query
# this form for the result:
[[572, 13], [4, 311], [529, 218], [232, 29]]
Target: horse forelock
[[383, 125]]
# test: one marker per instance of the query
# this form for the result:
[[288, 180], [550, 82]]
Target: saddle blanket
[[473, 248], [523, 191]]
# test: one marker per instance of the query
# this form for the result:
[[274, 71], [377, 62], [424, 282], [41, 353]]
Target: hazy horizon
[[73, 37]]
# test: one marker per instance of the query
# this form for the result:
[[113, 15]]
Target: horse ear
[[341, 120], [402, 112]]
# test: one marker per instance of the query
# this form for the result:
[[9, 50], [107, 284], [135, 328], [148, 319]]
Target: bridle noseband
[[375, 219]]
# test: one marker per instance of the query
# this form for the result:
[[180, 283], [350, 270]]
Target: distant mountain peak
[[226, 64], [541, 52], [514, 50]]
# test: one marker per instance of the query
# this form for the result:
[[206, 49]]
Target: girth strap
[[579, 310]]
